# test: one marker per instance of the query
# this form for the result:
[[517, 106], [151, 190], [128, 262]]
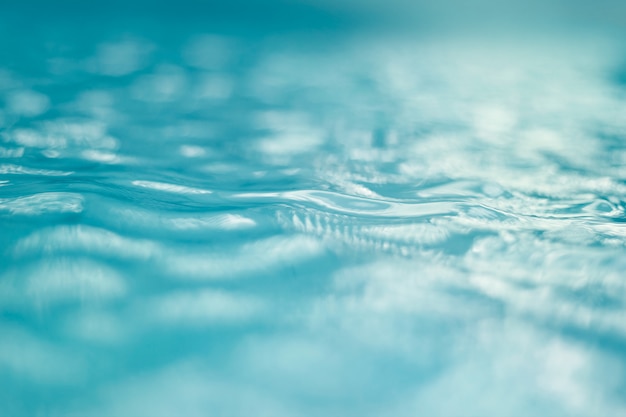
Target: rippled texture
[[231, 222]]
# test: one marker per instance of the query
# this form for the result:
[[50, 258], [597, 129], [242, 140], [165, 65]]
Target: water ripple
[[309, 225]]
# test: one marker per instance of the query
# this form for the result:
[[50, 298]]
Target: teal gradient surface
[[312, 209]]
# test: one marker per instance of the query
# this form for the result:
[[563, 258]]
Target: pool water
[[218, 216]]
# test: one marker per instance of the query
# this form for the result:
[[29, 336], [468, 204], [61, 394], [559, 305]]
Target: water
[[205, 213]]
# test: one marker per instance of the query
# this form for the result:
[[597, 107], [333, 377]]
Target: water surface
[[214, 217]]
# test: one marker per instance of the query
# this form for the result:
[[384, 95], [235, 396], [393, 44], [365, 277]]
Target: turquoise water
[[301, 215]]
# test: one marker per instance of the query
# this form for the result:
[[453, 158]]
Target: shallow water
[[232, 220]]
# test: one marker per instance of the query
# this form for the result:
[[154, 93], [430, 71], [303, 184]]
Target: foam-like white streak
[[34, 138], [88, 239], [191, 151], [100, 156], [174, 222], [43, 203], [420, 233], [171, 188], [64, 133], [220, 221], [18, 169]]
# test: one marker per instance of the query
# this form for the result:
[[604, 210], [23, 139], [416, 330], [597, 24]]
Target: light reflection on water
[[357, 225]]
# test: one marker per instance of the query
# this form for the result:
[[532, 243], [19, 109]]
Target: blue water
[[208, 213]]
